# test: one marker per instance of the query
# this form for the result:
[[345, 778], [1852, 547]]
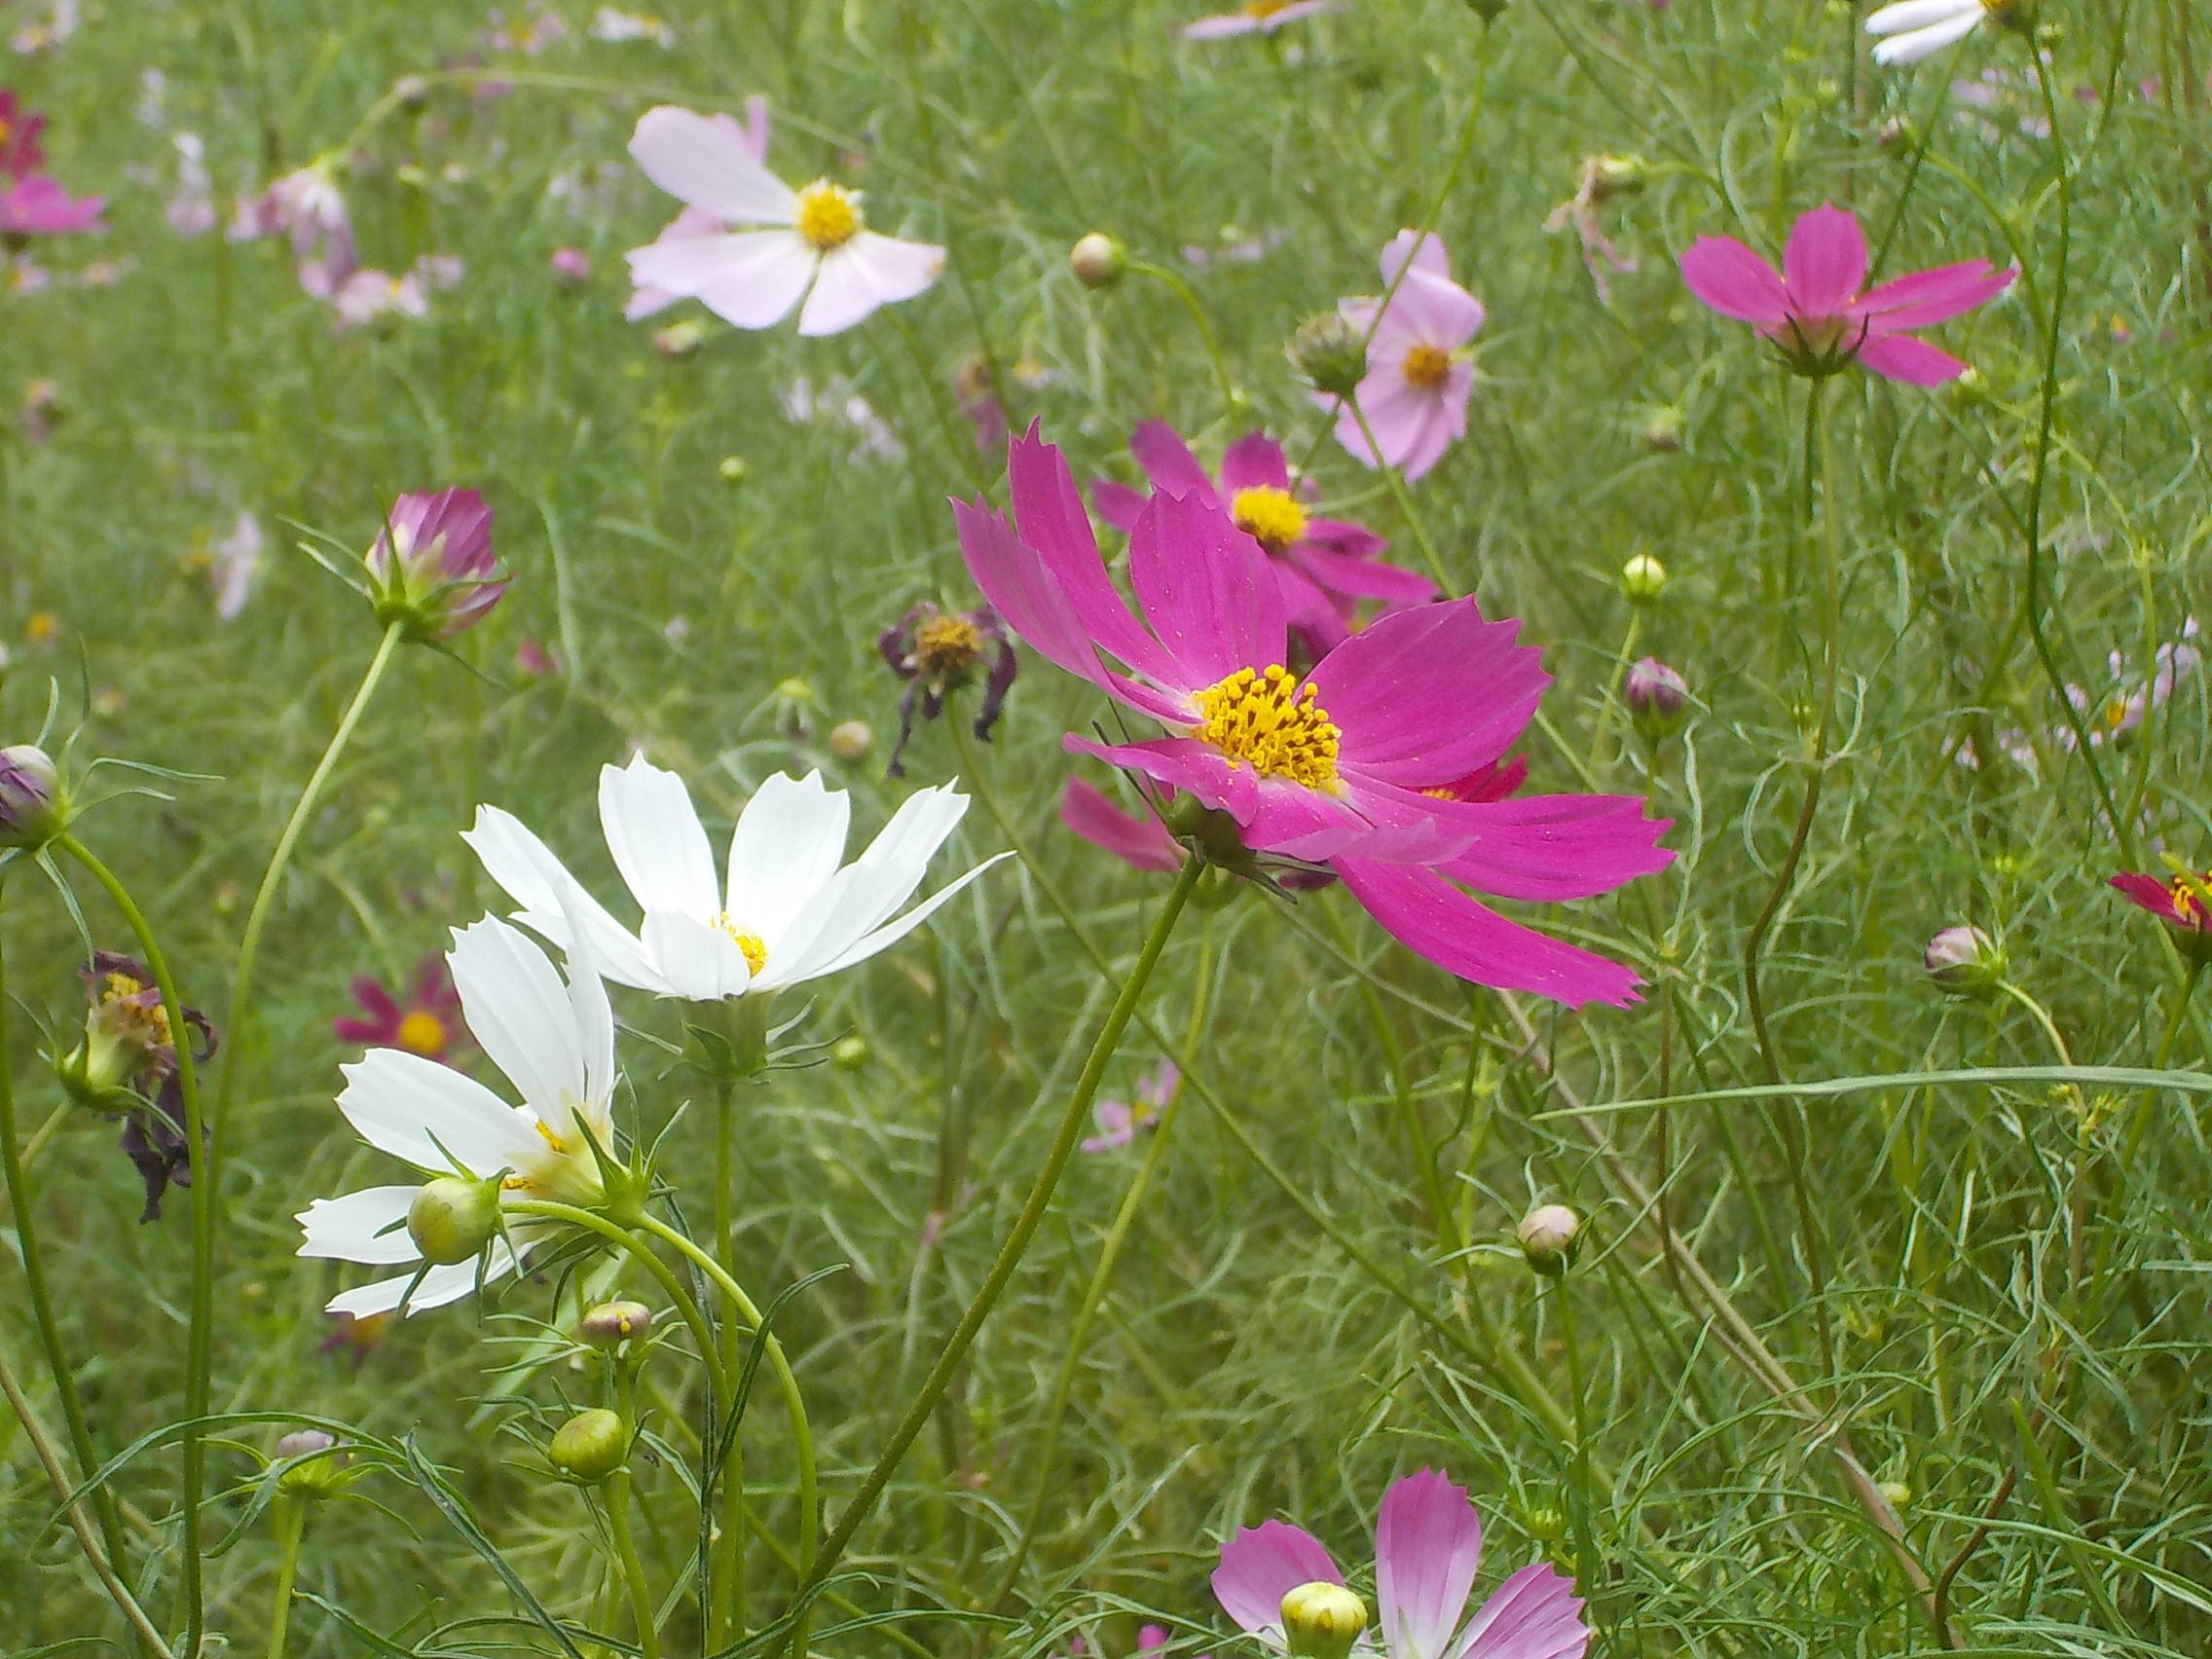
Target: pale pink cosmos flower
[[692, 223], [1814, 311], [807, 249], [306, 207], [38, 206], [1254, 17], [1326, 565], [1121, 1122], [191, 210], [369, 295], [1428, 1541], [1415, 392]]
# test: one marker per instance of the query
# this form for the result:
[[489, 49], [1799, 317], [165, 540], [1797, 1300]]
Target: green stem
[[199, 1154], [618, 1520], [1232, 400], [725, 1569], [1571, 1339], [2174, 1022], [622, 1238], [1399, 493], [1025, 1224], [291, 1517]]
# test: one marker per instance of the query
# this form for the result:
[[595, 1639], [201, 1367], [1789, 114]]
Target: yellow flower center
[[423, 1033], [2187, 905], [828, 215], [755, 948], [6, 131], [143, 1026], [41, 626], [1426, 365], [1270, 516], [944, 643], [1271, 722], [1264, 9]]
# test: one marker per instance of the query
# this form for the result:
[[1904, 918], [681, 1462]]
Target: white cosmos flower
[[791, 909], [781, 244], [1920, 29], [556, 1045]]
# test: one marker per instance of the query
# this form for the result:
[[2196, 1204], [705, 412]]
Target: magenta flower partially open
[[19, 151], [1325, 566], [1428, 1541], [1417, 381], [431, 565], [38, 206], [2180, 904], [1813, 310]]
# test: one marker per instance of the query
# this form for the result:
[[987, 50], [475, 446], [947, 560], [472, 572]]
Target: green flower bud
[[1548, 1235], [318, 1465], [1546, 1525], [852, 1053], [1098, 260], [590, 1446], [851, 740], [1643, 580], [1964, 962], [452, 1218], [612, 1323], [1330, 352], [1896, 1494], [1322, 1620]]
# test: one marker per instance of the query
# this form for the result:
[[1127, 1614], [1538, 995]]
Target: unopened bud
[[677, 340], [1548, 1235], [1963, 961], [570, 267], [1643, 580], [1968, 386], [33, 810], [1662, 433], [590, 1446], [1618, 175], [318, 1465], [612, 1323], [1896, 1494], [733, 469], [1322, 1620], [1330, 352], [1097, 260], [1546, 1525], [1656, 697], [851, 740], [452, 1218], [852, 1053]]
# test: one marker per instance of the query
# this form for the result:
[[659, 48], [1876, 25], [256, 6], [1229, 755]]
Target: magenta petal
[[1014, 578], [1934, 296], [1117, 504], [1901, 357], [1557, 847], [1263, 1563], [1734, 280], [1254, 461], [1206, 589], [1181, 763], [1316, 616], [1361, 577], [1339, 536], [1169, 463], [1141, 841], [2147, 891], [1434, 919], [1534, 1615], [1428, 1541], [1824, 265]]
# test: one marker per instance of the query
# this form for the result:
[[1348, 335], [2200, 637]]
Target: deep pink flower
[[1416, 390], [1325, 566], [1813, 310], [2176, 902], [19, 152], [1428, 1541], [692, 223], [425, 1019], [1254, 17], [431, 565], [1138, 839], [1121, 1122], [38, 206]]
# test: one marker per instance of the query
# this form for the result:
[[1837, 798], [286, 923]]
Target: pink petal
[[1023, 591], [1534, 1615], [1263, 1563], [1901, 357], [1434, 919], [1428, 1543], [1425, 252], [2147, 891], [1181, 763], [1436, 309], [1118, 1125], [696, 161], [1117, 504], [1222, 28], [1557, 847], [1254, 460], [750, 278], [755, 134], [1316, 616], [1169, 463], [1338, 536], [1929, 297], [1139, 840], [1824, 265], [868, 271], [1734, 280], [1363, 578], [1206, 589]]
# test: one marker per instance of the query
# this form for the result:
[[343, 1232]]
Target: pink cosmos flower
[[1428, 1541], [306, 208], [1384, 760], [433, 566], [1121, 1122], [2177, 902], [425, 1019], [1325, 566], [38, 206], [1254, 17], [1813, 310], [1138, 839], [19, 152], [1415, 392], [692, 223], [775, 248]]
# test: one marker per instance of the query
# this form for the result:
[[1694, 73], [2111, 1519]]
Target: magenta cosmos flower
[[1813, 310], [1254, 17], [19, 151], [38, 206], [779, 246], [1325, 566], [1384, 761], [1428, 1541], [431, 566], [1415, 391], [2178, 903], [425, 1018]]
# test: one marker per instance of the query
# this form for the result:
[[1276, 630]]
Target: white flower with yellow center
[[781, 244], [555, 1043], [1913, 29], [790, 912]]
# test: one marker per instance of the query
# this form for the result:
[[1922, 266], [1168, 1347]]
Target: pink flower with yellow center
[[1813, 310], [1254, 17], [38, 206], [1326, 565], [2184, 903], [1415, 392], [423, 1020]]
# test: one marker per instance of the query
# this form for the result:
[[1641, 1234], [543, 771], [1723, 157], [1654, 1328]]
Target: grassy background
[[1242, 1366]]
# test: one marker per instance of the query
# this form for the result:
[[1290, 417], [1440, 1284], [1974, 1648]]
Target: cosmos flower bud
[[452, 1218], [1896, 1494], [570, 267], [1643, 580], [1963, 961], [321, 1474], [851, 740], [1330, 353], [733, 469], [430, 568], [1546, 1525], [590, 1446], [612, 1323], [1098, 260], [33, 806], [1321, 1620], [1617, 175], [1656, 697], [1662, 433], [1548, 1235], [679, 340], [852, 1053]]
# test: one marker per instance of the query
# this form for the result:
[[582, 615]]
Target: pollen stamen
[[828, 215], [1270, 516], [1271, 722], [754, 948], [1428, 365]]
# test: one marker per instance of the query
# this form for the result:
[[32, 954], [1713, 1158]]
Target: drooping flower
[[1913, 29], [1137, 839], [778, 246], [792, 911], [1384, 761], [1417, 381], [431, 566], [19, 149], [426, 1018], [692, 223], [555, 1043], [1121, 1122], [1326, 565], [2184, 903], [1813, 310], [936, 651], [126, 1066], [1428, 1541], [1254, 17], [37, 206]]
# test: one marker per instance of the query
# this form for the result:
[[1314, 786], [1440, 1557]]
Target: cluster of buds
[[431, 571], [937, 652]]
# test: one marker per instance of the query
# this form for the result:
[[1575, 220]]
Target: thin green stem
[[1232, 401], [1571, 1340], [618, 1518], [725, 1569], [1399, 493], [622, 1238], [290, 1515], [1025, 1226], [2144, 1101]]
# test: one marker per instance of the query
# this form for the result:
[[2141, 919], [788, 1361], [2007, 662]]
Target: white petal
[[751, 279], [885, 936], [790, 841], [705, 163], [594, 1017], [1925, 43], [865, 894], [700, 962], [439, 1286], [399, 1102], [368, 1225], [1918, 14], [656, 839], [519, 1011], [868, 271], [533, 878]]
